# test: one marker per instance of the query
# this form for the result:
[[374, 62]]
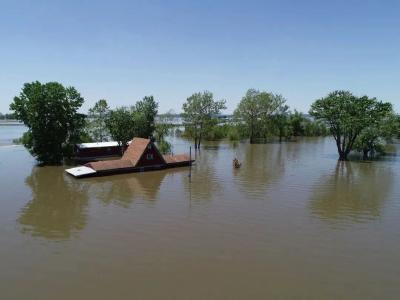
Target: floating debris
[[236, 163]]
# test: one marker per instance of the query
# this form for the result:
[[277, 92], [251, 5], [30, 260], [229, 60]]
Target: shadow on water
[[354, 192], [58, 208]]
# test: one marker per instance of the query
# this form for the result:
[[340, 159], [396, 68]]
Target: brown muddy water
[[291, 223]]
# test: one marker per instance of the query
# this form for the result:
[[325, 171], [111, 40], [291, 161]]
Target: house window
[[149, 156], [149, 147]]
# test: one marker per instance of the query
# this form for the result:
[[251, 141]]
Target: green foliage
[[199, 111], [97, 128], [398, 126], [256, 111], [215, 131], [281, 123], [125, 123], [373, 139], [297, 121], [347, 116], [315, 128], [121, 125], [50, 111], [234, 133], [145, 112], [218, 131], [302, 126], [164, 147]]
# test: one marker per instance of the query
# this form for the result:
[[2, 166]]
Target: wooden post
[[190, 163]]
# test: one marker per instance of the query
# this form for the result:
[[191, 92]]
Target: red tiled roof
[[132, 156], [172, 159], [135, 150], [110, 164]]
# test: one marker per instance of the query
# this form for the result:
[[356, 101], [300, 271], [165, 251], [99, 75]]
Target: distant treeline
[[7, 116], [295, 125], [51, 113]]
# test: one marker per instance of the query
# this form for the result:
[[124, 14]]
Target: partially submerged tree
[[304, 126], [297, 122], [255, 111], [280, 120], [347, 116], [198, 111], [50, 111], [97, 121], [373, 139]]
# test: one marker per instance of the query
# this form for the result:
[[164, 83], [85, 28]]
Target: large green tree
[[198, 111], [97, 121], [347, 116], [255, 112], [50, 111], [138, 120], [145, 112], [121, 125]]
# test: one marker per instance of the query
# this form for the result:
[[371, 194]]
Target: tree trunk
[[342, 155], [200, 136], [251, 134], [365, 154], [339, 149]]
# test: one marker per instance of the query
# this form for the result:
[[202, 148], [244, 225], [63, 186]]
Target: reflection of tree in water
[[261, 166], [58, 206], [304, 148], [124, 189], [354, 191]]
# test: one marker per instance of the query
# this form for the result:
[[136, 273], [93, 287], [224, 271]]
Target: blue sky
[[124, 50]]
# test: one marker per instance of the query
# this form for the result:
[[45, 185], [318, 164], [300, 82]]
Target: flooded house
[[141, 155]]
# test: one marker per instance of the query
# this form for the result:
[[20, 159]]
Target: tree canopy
[[255, 112], [145, 112], [50, 111], [347, 116], [97, 121], [373, 139], [198, 111], [138, 120], [121, 125]]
